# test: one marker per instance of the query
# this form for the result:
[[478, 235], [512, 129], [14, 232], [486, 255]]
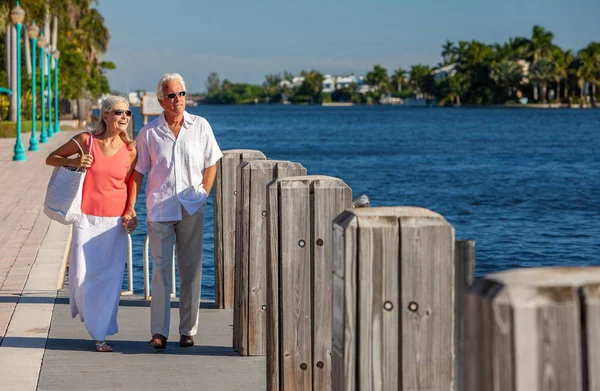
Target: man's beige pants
[[187, 234]]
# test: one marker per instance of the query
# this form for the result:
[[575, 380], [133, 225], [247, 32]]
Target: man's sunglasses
[[174, 94], [120, 112]]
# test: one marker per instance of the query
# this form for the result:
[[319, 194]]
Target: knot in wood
[[413, 307], [303, 366], [319, 242], [301, 243]]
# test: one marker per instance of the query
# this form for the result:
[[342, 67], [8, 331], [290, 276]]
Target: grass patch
[[9, 129]]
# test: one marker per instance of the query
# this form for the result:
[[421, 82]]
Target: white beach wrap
[[96, 265]]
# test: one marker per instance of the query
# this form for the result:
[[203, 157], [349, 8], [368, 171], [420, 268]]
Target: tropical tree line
[[271, 91], [82, 40], [471, 72]]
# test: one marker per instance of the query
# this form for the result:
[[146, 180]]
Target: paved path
[[42, 348]]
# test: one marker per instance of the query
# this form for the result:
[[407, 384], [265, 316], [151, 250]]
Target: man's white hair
[[167, 77]]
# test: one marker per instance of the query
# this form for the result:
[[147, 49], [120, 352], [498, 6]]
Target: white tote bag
[[63, 196]]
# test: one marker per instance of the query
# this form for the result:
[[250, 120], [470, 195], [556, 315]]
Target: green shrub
[[9, 129]]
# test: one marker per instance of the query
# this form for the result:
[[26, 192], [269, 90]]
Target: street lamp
[[49, 69], [17, 15], [34, 32], [42, 45], [56, 56]]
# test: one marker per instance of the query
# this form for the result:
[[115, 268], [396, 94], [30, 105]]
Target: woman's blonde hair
[[97, 128]]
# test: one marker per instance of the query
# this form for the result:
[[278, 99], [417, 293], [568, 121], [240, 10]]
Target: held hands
[[130, 221], [84, 161]]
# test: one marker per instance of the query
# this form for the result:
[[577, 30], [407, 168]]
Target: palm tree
[[540, 45], [590, 56], [398, 78], [543, 72], [449, 53], [377, 79], [421, 80], [585, 72], [509, 74], [312, 84], [563, 60], [92, 34], [271, 84], [519, 47]]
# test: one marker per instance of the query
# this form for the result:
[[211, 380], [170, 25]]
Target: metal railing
[[129, 290], [146, 268]]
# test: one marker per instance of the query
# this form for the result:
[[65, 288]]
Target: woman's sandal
[[102, 346]]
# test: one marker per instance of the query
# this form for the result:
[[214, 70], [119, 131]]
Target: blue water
[[523, 183]]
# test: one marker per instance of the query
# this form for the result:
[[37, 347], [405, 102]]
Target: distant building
[[134, 99], [333, 83], [296, 82], [328, 84], [525, 69], [443, 73]]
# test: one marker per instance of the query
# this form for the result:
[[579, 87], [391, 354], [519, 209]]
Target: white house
[[296, 82], [328, 84], [443, 73], [333, 83]]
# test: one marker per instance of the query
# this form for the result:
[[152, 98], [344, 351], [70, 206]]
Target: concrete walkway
[[42, 348]]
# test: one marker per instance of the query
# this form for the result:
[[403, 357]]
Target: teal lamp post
[[42, 45], [34, 32], [56, 56], [49, 70], [17, 15]]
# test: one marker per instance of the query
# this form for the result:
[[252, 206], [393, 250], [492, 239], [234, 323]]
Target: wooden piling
[[224, 222], [301, 212], [250, 291], [533, 330], [393, 300], [464, 271]]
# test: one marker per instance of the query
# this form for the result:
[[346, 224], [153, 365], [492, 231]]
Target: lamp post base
[[19, 154], [33, 144]]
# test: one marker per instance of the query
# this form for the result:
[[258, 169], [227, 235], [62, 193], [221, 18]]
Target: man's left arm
[[209, 178]]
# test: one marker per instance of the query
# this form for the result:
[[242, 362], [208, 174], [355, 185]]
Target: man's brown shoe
[[186, 341], [158, 341]]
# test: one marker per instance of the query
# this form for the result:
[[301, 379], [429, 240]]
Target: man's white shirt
[[175, 166]]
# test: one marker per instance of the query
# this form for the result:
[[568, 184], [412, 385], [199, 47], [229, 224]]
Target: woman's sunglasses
[[120, 112], [174, 94]]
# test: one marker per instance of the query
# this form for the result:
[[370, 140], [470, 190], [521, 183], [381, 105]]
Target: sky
[[245, 40]]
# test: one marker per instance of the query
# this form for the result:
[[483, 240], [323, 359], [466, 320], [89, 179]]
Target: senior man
[[179, 152]]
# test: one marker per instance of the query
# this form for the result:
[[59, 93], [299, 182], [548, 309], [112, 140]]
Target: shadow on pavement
[[120, 347]]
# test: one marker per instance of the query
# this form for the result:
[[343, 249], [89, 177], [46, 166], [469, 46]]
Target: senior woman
[[99, 243]]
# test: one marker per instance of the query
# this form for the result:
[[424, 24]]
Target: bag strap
[[90, 143], [80, 149]]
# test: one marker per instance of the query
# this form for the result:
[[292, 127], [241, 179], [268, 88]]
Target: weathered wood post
[[534, 330], [250, 291], [301, 212], [393, 300], [224, 214], [464, 270]]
